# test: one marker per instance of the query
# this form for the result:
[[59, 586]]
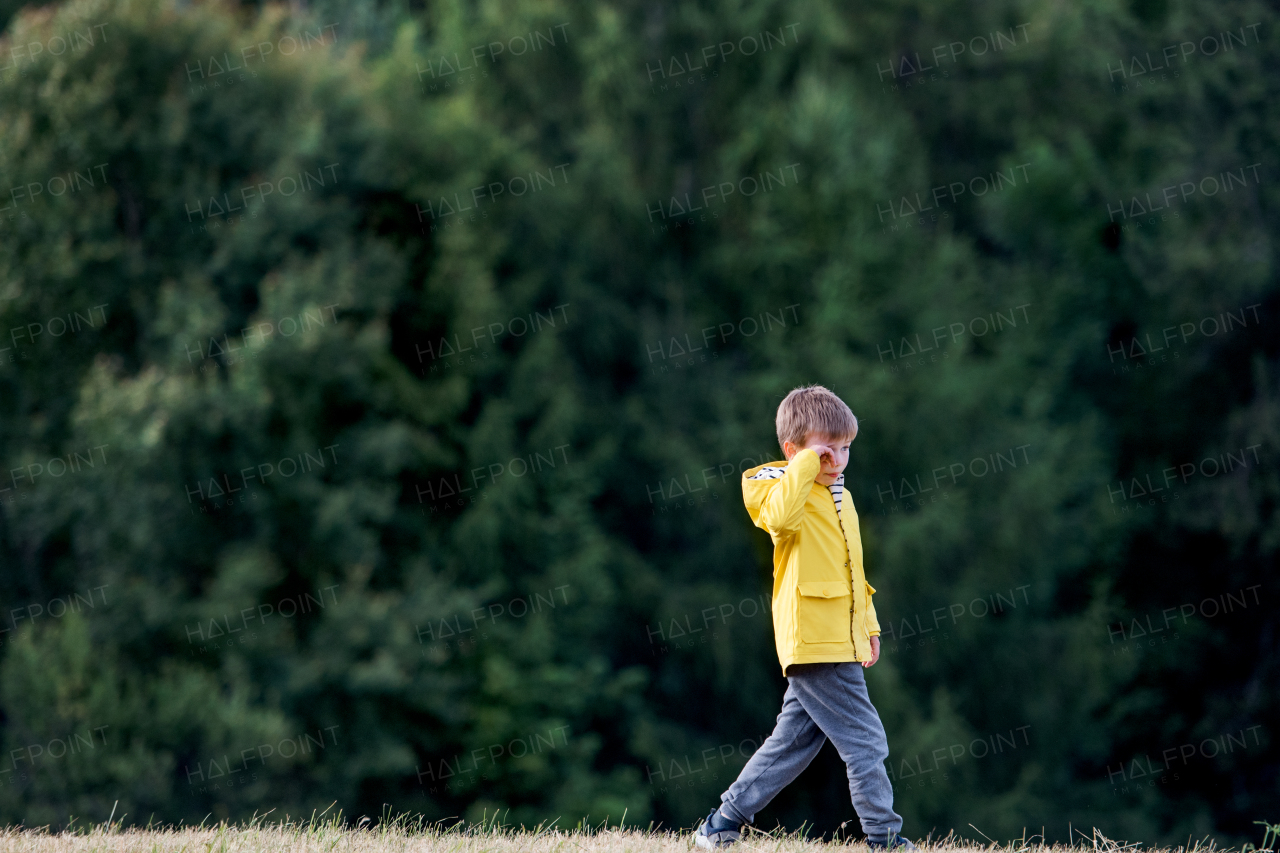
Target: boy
[[825, 625]]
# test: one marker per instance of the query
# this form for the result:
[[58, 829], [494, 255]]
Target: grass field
[[319, 834]]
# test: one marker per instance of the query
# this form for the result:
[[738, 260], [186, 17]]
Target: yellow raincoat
[[822, 610]]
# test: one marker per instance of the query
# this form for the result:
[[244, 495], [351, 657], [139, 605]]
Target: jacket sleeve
[[873, 623], [783, 510]]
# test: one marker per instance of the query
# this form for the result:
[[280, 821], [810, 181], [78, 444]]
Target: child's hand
[[875, 653], [826, 455]]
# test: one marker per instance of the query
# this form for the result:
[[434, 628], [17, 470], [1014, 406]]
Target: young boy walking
[[824, 625]]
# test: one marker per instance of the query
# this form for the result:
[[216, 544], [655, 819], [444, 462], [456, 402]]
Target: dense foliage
[[376, 381]]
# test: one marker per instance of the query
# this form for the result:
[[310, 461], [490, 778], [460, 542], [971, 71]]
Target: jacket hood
[[757, 482]]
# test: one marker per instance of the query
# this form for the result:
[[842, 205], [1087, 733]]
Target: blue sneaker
[[717, 831], [894, 841]]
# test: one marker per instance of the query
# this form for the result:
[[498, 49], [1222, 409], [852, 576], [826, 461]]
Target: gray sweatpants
[[823, 700]]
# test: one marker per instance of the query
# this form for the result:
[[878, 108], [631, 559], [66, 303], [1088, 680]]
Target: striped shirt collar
[[837, 493]]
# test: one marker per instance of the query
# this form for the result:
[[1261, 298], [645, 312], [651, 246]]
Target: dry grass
[[414, 835]]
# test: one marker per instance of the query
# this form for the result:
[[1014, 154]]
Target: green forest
[[376, 380]]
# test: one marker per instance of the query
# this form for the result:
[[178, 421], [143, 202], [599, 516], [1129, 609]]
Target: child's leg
[[835, 697], [796, 739]]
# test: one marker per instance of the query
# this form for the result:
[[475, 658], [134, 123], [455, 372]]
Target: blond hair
[[813, 410]]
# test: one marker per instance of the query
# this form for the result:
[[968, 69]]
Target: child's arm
[[783, 510], [873, 623], [873, 628]]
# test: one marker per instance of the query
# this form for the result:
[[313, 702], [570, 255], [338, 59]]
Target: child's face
[[833, 464]]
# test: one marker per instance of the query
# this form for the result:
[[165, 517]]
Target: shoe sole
[[713, 842]]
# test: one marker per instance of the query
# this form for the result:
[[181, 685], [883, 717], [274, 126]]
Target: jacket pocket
[[825, 608]]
